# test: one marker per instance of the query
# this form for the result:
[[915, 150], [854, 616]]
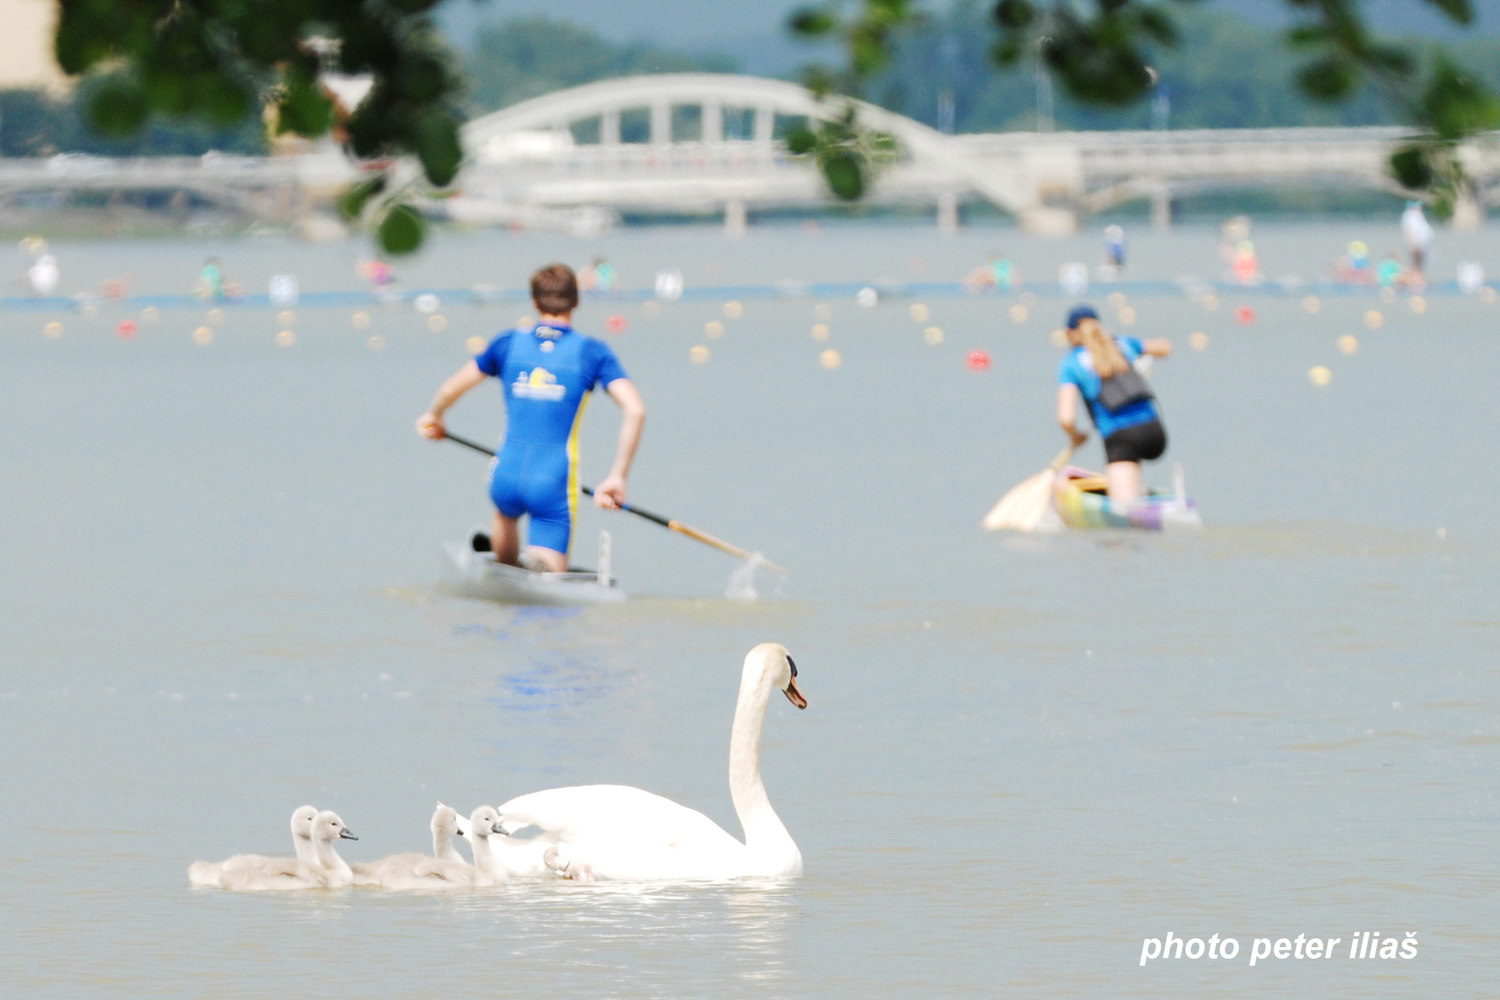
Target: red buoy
[[977, 361], [615, 324], [1245, 315], [126, 329]]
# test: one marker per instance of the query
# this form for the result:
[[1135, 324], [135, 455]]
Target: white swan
[[484, 823], [211, 873], [444, 869], [326, 870], [616, 832]]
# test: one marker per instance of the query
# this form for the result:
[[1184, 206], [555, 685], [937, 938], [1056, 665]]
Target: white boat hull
[[476, 574]]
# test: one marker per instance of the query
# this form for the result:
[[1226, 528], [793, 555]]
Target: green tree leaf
[[845, 175], [402, 230], [118, 107], [438, 147], [352, 202]]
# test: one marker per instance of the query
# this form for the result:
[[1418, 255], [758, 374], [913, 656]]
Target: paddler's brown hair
[[554, 289], [1105, 353]]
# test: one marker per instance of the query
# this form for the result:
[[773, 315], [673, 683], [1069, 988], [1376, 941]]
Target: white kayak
[[471, 571]]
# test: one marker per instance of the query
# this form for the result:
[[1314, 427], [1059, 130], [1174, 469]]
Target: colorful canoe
[[470, 570], [1079, 499]]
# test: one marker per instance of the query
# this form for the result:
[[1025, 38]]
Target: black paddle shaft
[[664, 522]]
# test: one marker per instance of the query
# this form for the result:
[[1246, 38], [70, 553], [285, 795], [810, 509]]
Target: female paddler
[[1100, 369]]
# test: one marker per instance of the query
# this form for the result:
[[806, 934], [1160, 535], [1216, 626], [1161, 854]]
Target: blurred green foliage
[[220, 62], [36, 123], [1113, 58]]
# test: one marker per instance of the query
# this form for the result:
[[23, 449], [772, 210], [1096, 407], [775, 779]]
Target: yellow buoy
[[437, 322], [286, 338], [713, 329], [361, 320], [90, 311], [830, 359], [52, 330], [1019, 313], [375, 342], [823, 311], [215, 316], [919, 312], [1116, 299], [1059, 337], [1318, 375], [1199, 340], [1311, 304], [1348, 344], [933, 335], [733, 309], [1374, 319], [1418, 304], [150, 314], [1210, 302], [698, 354], [1126, 315], [651, 308], [203, 336], [1388, 294], [286, 317], [1487, 295], [820, 332], [526, 322]]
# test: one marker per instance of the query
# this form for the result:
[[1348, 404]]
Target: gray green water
[[1021, 758]]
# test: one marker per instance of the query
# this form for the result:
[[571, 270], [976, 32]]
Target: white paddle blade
[[1022, 508]]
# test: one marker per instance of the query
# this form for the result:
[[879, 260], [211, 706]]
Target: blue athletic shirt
[[1077, 368], [547, 373]]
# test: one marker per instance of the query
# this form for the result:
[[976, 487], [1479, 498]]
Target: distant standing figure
[[211, 281], [1418, 233], [44, 275], [1099, 369], [1114, 247], [995, 273]]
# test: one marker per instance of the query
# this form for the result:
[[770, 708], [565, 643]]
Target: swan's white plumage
[[444, 869], [243, 866], [325, 870], [618, 832]]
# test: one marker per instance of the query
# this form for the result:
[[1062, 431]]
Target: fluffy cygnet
[[327, 871], [484, 823], [210, 873], [445, 869]]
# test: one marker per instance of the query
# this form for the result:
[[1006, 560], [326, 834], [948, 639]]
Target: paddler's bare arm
[[1158, 348], [430, 424], [1067, 413], [610, 494]]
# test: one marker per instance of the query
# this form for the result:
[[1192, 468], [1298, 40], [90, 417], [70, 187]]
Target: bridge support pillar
[[1468, 212], [1161, 208], [735, 217], [609, 128], [1044, 220], [947, 213]]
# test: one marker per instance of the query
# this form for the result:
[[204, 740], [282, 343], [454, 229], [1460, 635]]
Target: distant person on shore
[[996, 273], [1353, 266], [1418, 234], [1100, 371], [211, 283], [546, 373], [378, 273], [1114, 249], [599, 276]]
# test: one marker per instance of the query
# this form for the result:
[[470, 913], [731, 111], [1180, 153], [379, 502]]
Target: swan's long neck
[[484, 855], [337, 868], [764, 831], [442, 844], [306, 853]]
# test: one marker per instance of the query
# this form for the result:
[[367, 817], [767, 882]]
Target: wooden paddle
[[665, 522], [1022, 508]]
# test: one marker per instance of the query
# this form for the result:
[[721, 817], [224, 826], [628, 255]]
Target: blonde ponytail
[[1105, 353]]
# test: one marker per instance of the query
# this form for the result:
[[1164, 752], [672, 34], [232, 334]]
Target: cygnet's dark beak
[[347, 834], [793, 695]]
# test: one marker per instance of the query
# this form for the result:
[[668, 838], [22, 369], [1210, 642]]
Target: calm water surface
[[1021, 757]]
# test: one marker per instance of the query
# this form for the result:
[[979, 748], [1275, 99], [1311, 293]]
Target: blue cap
[[1079, 314]]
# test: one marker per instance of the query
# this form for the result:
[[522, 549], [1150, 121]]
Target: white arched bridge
[[696, 143]]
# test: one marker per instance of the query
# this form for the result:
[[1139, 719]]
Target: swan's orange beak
[[793, 695]]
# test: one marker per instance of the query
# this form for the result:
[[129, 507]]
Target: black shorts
[[1137, 443]]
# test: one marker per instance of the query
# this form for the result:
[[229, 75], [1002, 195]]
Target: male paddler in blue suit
[[547, 372]]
